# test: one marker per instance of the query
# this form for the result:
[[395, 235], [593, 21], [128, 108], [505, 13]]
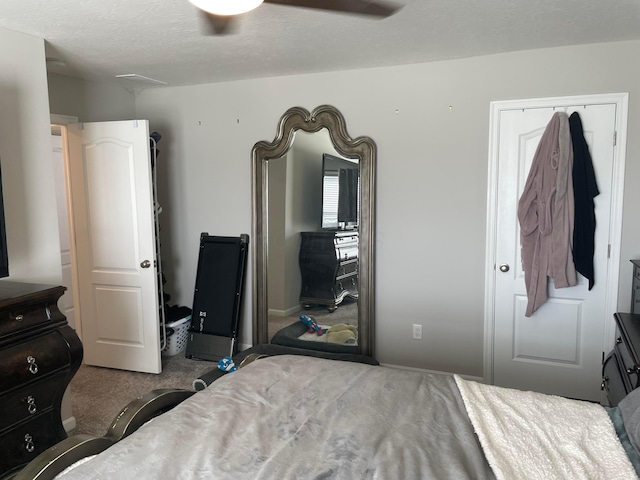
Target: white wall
[[431, 125], [26, 161]]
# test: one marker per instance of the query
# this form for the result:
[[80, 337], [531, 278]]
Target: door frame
[[621, 100], [61, 121]]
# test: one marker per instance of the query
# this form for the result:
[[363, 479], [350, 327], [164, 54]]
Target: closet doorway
[[112, 226], [559, 349], [67, 255]]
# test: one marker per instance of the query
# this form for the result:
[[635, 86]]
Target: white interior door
[[559, 349], [111, 188]]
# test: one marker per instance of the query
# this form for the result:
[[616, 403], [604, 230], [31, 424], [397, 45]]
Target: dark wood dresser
[[328, 267], [621, 369], [39, 354], [635, 288]]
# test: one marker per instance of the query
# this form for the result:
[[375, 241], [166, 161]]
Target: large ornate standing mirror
[[313, 228]]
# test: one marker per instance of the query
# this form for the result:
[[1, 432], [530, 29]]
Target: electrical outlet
[[417, 331]]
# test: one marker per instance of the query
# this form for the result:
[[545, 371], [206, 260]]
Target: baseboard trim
[[285, 313], [437, 372], [69, 424], [245, 346]]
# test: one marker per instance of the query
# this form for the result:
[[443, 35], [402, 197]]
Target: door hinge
[[609, 251], [615, 138]]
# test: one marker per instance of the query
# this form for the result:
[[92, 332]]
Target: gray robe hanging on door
[[546, 215]]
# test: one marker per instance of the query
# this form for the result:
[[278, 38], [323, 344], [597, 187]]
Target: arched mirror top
[[363, 149], [324, 116]]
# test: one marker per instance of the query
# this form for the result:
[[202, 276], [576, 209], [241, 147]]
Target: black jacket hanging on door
[[585, 190]]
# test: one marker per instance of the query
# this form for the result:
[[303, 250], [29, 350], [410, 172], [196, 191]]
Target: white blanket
[[528, 435]]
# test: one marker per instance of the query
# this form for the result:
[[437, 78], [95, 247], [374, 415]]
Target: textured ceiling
[[163, 39]]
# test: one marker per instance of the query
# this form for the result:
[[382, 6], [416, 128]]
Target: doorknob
[[504, 267], [145, 264]]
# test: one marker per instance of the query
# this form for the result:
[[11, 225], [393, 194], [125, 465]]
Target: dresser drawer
[[24, 442], [347, 283], [627, 365], [29, 401], [348, 267], [613, 381], [347, 252], [23, 317], [32, 360]]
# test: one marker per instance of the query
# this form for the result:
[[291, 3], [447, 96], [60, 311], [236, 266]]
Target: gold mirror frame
[[362, 148]]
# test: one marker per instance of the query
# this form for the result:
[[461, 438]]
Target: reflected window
[[330, 203], [340, 193]]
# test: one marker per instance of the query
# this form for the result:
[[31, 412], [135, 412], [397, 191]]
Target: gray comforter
[[292, 417]]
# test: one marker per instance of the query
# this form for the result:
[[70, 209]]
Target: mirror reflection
[[312, 258], [313, 224]]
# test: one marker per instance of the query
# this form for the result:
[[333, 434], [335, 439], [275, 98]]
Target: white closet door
[[559, 349]]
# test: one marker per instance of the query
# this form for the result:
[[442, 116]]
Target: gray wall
[[294, 207], [277, 193], [26, 161], [89, 101], [431, 124], [305, 200]]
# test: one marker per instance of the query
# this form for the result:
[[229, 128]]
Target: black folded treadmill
[[217, 297]]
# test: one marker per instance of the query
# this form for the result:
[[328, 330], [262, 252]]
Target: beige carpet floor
[[98, 394]]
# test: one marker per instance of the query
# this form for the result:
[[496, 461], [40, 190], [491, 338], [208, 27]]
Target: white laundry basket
[[177, 340]]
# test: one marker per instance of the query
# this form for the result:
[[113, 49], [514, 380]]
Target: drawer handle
[[31, 405], [633, 370], [28, 443], [619, 340], [33, 366], [605, 382], [19, 318]]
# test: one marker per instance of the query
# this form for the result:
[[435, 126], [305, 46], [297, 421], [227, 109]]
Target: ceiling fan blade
[[362, 7], [218, 24]]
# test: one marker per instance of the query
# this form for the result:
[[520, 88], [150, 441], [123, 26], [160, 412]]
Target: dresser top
[[636, 262], [331, 233], [13, 292]]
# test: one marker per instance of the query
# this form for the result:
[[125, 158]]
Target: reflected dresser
[[39, 354], [328, 267]]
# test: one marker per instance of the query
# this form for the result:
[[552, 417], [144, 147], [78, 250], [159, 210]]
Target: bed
[[303, 417]]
